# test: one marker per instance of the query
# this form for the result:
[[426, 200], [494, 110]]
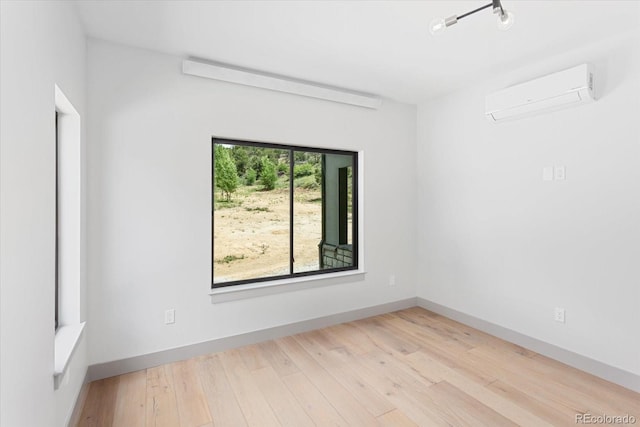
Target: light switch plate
[[170, 316], [547, 173], [559, 173]]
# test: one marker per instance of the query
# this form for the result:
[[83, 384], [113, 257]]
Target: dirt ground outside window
[[251, 233]]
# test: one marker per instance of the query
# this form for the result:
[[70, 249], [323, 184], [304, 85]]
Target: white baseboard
[[578, 361], [594, 367], [123, 366]]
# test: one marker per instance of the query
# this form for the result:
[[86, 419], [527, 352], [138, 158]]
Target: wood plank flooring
[[408, 368]]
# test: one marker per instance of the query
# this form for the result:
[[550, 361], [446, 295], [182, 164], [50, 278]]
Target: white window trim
[[253, 290], [70, 327], [66, 342]]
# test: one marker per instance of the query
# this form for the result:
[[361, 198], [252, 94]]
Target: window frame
[[292, 149]]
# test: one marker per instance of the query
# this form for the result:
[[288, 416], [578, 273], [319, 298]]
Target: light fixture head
[[437, 26], [505, 20], [497, 7]]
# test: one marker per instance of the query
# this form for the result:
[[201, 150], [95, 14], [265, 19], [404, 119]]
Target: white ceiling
[[381, 47]]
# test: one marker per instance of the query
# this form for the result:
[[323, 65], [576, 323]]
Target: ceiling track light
[[505, 18]]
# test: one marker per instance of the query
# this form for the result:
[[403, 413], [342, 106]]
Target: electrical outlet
[[559, 315], [559, 173], [170, 316], [392, 280], [554, 173]]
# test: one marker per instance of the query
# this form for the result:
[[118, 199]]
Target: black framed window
[[282, 211]]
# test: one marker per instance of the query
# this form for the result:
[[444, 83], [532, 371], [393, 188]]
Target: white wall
[[41, 44], [150, 208], [500, 244]]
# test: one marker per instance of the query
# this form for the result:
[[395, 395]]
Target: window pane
[[323, 211], [350, 205], [57, 251], [251, 213], [307, 211]]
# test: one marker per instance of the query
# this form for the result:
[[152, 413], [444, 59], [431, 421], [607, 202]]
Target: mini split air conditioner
[[555, 91]]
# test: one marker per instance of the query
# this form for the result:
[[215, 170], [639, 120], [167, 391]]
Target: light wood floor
[[408, 368]]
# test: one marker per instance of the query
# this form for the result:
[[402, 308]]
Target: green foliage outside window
[[304, 169], [250, 177], [269, 175], [226, 173]]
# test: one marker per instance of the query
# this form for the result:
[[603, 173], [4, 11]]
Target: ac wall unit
[[555, 91]]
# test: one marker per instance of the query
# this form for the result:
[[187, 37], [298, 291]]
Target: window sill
[[252, 290], [66, 341]]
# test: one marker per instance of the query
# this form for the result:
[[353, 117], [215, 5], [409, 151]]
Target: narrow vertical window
[[68, 232], [281, 211], [57, 225]]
